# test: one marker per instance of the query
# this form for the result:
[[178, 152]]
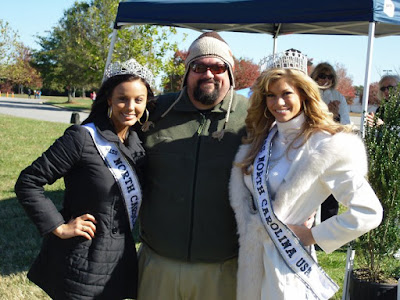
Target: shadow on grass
[[19, 239]]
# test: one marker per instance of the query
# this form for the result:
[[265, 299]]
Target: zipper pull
[[202, 123]]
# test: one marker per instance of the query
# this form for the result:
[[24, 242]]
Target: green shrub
[[375, 250]]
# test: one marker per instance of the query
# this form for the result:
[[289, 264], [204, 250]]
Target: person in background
[[294, 156], [93, 95], [187, 226], [325, 76], [386, 85], [88, 251]]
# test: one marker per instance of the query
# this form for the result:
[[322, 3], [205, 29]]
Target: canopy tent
[[260, 16], [339, 17]]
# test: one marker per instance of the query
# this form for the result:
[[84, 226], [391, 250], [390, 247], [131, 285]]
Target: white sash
[[123, 173], [286, 242]]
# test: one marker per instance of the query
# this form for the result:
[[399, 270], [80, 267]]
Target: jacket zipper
[[199, 131]]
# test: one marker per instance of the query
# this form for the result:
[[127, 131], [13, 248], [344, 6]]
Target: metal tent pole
[[350, 251], [276, 34], [110, 51], [349, 269], [371, 35]]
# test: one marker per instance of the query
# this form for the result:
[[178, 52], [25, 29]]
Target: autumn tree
[[345, 84], [373, 94], [175, 69], [22, 73], [245, 73]]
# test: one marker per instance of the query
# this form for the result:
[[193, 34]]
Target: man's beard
[[206, 98]]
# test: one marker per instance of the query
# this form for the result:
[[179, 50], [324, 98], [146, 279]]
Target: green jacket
[[186, 213]]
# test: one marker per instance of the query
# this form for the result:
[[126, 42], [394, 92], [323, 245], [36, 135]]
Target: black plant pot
[[365, 290]]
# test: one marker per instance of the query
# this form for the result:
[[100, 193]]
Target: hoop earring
[[109, 112], [265, 112], [147, 117]]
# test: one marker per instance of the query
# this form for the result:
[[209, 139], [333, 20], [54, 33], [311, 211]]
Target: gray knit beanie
[[210, 44]]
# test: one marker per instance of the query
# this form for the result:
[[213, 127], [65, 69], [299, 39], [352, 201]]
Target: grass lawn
[[23, 140]]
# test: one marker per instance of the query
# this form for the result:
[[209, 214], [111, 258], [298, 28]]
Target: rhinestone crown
[[289, 59], [130, 66]]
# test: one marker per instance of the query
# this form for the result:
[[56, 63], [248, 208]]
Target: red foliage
[[245, 73], [345, 84], [373, 94], [173, 80]]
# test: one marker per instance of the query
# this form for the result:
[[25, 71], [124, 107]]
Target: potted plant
[[376, 267]]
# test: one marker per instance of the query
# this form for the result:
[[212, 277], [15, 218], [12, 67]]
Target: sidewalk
[[35, 109]]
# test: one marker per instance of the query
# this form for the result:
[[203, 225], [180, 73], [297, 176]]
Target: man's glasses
[[324, 76], [215, 69], [384, 88]]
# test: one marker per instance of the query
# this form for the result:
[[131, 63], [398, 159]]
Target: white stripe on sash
[[286, 242], [123, 173]]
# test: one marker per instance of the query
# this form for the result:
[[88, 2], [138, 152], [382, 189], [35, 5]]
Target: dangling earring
[[265, 112], [109, 112], [147, 117]]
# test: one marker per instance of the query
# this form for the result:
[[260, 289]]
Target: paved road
[[35, 109]]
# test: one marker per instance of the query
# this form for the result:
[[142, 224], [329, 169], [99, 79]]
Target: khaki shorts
[[161, 278]]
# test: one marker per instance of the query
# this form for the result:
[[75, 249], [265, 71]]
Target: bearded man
[[187, 226]]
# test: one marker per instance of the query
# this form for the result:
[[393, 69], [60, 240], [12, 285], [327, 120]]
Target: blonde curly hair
[[259, 119]]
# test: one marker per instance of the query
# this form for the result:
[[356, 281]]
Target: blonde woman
[[326, 78], [295, 155]]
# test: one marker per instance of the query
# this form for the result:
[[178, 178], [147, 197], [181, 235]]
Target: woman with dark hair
[[293, 157], [325, 76], [88, 251]]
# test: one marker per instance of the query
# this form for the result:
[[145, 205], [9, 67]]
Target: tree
[[345, 84], [74, 52], [245, 73], [175, 68], [21, 72], [373, 94], [8, 39]]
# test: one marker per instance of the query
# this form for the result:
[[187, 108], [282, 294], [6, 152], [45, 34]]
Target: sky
[[30, 18]]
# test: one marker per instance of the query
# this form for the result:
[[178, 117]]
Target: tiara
[[289, 59], [130, 66]]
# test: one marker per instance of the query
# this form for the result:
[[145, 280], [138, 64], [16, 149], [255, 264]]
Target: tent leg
[[349, 269], [371, 35], [110, 51], [275, 45]]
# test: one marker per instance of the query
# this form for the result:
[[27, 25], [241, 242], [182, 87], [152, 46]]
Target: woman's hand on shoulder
[[81, 226]]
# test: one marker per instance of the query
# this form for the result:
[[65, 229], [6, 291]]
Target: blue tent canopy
[[272, 17]]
